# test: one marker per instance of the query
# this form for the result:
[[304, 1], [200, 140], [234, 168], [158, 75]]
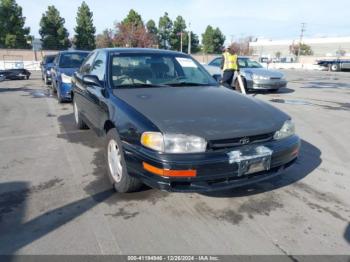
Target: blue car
[[45, 67], [64, 65]]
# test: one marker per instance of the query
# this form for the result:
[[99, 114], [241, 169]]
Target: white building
[[322, 46]]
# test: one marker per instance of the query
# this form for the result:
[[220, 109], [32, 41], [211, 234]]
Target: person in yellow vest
[[229, 65]]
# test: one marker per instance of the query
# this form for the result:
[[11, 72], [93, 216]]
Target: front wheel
[[78, 121], [59, 97], [335, 67], [116, 165]]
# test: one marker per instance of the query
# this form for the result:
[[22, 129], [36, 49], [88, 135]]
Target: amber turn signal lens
[[168, 172]]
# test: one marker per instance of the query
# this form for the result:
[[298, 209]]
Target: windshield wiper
[[140, 85], [184, 83]]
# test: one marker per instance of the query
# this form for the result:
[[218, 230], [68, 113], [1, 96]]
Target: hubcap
[[76, 115], [114, 161]]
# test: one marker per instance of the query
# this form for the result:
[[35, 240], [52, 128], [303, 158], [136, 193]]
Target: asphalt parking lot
[[55, 197]]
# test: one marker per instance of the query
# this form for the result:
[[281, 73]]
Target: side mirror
[[217, 78], [91, 80]]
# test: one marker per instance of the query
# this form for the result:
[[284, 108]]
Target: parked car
[[15, 74], [64, 65], [45, 67], [334, 64], [2, 77], [169, 124], [255, 76]]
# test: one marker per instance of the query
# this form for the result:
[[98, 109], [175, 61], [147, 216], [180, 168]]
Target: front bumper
[[65, 90], [266, 84], [214, 172]]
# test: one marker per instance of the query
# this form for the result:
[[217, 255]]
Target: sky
[[271, 19]]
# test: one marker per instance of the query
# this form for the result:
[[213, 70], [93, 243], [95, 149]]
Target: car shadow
[[283, 90], [309, 159]]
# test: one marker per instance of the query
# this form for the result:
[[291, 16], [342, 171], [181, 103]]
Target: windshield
[[247, 63], [49, 59], [72, 60], [148, 70]]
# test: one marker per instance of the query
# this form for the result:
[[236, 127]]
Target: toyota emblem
[[244, 140]]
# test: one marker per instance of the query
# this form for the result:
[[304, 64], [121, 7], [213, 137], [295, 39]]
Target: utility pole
[[301, 38], [189, 39], [180, 40]]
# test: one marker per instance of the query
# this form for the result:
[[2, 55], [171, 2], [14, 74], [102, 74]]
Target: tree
[[179, 27], [85, 29], [53, 33], [133, 18], [212, 40], [131, 32], [133, 36], [153, 30], [241, 47], [164, 31], [105, 39], [304, 49], [13, 34], [278, 54], [151, 27]]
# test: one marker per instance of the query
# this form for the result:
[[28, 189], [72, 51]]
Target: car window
[[216, 62], [99, 65], [157, 69], [247, 63], [55, 61], [72, 59], [49, 59], [86, 66]]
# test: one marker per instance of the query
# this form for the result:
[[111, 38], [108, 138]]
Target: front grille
[[238, 141], [275, 78]]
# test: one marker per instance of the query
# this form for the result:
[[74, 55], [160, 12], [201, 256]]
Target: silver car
[[255, 76]]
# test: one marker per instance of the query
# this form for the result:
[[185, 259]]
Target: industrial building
[[322, 46]]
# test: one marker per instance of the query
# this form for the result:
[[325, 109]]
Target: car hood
[[208, 112], [262, 72], [68, 71]]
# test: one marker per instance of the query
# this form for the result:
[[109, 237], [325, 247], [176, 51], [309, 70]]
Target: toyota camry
[[168, 124]]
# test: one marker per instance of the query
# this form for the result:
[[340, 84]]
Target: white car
[[255, 76]]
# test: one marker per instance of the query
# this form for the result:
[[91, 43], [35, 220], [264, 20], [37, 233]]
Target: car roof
[[238, 57], [140, 50], [73, 51]]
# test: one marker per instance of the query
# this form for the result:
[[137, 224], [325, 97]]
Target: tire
[[334, 67], [45, 80], [121, 181], [59, 98], [78, 121]]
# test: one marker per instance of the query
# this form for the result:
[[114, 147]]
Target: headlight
[[260, 77], [66, 79], [288, 129], [173, 143], [48, 72]]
